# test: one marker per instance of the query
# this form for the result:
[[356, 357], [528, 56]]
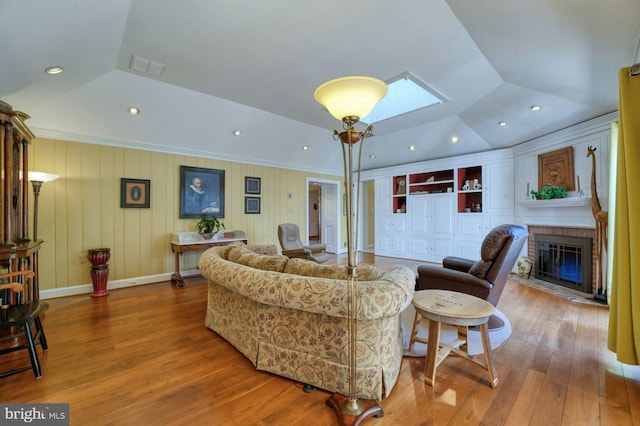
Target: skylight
[[406, 94]]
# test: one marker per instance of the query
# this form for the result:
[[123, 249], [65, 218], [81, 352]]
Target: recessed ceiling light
[[56, 69], [454, 139], [502, 123], [372, 156], [237, 132], [133, 111], [306, 147], [412, 148], [535, 107]]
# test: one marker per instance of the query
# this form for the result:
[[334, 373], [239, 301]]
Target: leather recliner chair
[[485, 278], [289, 236]]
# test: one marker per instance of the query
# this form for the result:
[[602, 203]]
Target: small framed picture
[[135, 193], [251, 185], [251, 205]]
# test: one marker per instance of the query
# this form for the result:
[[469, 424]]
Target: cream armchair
[[289, 236]]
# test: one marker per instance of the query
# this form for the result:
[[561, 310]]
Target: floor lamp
[[348, 99], [37, 179]]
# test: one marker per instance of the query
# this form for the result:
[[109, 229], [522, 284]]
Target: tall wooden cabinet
[[17, 250]]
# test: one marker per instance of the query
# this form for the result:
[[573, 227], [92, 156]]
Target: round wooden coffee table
[[459, 309]]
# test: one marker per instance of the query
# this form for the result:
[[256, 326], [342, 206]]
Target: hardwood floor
[[143, 356]]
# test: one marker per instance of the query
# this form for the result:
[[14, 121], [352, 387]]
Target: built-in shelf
[[434, 182], [557, 202], [470, 189]]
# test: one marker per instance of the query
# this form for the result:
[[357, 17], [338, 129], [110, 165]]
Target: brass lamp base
[[370, 408]]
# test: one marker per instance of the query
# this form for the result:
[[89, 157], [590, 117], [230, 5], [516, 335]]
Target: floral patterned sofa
[[289, 317]]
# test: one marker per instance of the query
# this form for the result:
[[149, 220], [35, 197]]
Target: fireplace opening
[[564, 260]]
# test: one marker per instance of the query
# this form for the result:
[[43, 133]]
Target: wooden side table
[[189, 241], [459, 309]]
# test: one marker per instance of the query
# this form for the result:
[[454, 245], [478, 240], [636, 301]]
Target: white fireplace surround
[[573, 211]]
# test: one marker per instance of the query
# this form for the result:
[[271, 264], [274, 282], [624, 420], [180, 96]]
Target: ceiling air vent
[[147, 66]]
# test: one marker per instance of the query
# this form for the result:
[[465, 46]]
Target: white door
[[367, 217], [329, 221]]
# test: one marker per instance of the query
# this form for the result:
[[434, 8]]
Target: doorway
[[368, 213], [323, 213]]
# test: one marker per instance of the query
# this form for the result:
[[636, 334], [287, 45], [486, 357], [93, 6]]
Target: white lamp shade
[[42, 177], [350, 96]]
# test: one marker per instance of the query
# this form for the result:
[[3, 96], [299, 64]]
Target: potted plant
[[548, 192], [208, 226]]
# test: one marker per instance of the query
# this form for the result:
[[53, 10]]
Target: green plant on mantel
[[549, 192], [209, 225]]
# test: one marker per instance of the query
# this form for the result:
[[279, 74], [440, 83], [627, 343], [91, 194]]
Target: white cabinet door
[[443, 215], [430, 249], [420, 213], [471, 225], [431, 227], [384, 223], [471, 231], [390, 235], [383, 245], [394, 245], [432, 214], [419, 248], [442, 247], [494, 220], [499, 190], [398, 221], [469, 249], [399, 246]]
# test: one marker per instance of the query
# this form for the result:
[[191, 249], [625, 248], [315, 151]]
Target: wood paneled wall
[[81, 210]]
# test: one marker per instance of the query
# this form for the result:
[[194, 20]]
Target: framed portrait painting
[[556, 168], [201, 192], [135, 193]]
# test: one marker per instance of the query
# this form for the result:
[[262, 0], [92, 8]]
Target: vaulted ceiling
[[253, 65]]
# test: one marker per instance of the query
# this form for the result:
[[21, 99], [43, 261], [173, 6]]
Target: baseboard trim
[[112, 285]]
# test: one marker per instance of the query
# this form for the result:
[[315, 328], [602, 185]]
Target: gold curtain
[[613, 161], [624, 320]]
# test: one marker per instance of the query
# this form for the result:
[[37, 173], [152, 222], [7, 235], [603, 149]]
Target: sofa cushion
[[236, 252], [368, 272], [269, 249], [309, 268], [263, 262], [225, 250]]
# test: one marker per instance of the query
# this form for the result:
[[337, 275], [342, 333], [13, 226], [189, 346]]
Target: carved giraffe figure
[[602, 218]]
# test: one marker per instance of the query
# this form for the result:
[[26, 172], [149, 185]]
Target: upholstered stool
[[459, 309]]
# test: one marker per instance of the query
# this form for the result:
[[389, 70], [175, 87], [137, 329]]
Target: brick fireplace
[[562, 231]]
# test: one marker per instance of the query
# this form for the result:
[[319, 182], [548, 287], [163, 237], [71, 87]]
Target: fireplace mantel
[[557, 202]]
